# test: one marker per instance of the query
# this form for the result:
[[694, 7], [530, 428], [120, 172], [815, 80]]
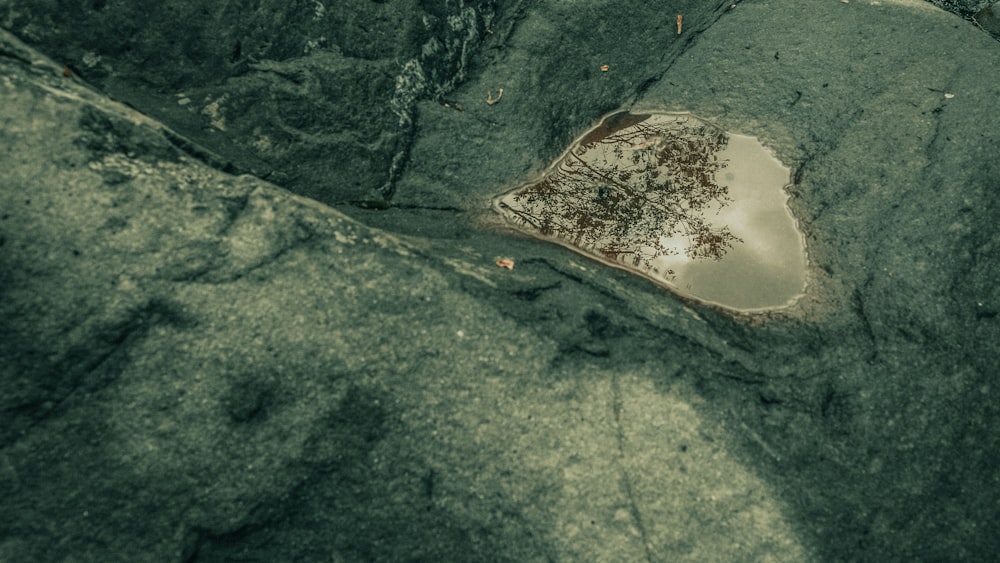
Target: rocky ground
[[250, 307]]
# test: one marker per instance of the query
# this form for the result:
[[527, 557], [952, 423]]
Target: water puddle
[[671, 197]]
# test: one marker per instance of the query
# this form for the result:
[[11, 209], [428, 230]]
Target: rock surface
[[199, 365], [989, 19]]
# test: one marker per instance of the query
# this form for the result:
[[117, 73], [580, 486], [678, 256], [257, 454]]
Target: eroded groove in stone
[[673, 198]]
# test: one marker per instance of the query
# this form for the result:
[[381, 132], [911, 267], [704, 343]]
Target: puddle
[[677, 200]]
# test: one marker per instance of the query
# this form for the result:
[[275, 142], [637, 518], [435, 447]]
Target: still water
[[671, 197]]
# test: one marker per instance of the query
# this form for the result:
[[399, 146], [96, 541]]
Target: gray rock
[[318, 99], [203, 366], [989, 19], [964, 8]]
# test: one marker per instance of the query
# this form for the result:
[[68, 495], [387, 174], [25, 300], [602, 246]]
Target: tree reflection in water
[[633, 189]]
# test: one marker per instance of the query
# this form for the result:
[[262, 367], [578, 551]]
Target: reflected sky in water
[[767, 269]]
